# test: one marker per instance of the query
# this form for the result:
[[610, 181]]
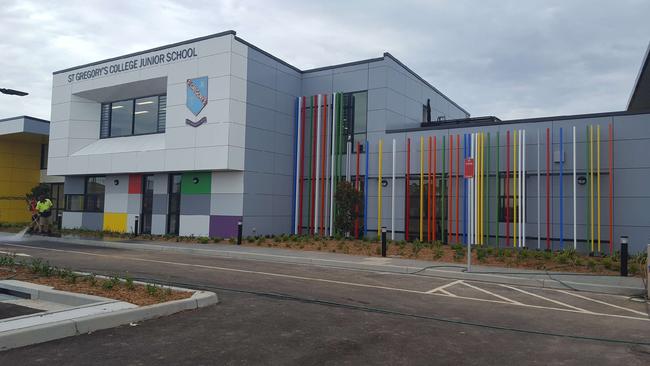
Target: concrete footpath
[[629, 286]]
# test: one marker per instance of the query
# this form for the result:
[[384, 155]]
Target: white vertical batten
[[523, 196], [539, 227], [575, 230], [334, 117], [297, 193], [392, 197], [319, 113]]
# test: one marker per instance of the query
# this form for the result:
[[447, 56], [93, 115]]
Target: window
[[355, 117], [44, 156], [173, 216], [510, 199], [133, 117], [74, 202], [94, 198]]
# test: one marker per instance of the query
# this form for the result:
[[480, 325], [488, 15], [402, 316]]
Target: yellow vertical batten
[[591, 184], [381, 150], [421, 186], [480, 188], [598, 180]]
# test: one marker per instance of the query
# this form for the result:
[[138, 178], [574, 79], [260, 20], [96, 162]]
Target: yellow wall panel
[[19, 172], [114, 221]]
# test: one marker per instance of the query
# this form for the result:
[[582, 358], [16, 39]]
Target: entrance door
[[174, 212], [147, 203]]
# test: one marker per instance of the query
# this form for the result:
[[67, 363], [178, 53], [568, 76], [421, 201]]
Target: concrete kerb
[[67, 328], [533, 279]]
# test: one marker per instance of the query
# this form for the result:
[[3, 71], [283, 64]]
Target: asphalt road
[[278, 314]]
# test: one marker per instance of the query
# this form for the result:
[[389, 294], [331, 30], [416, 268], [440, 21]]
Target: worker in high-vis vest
[[44, 208]]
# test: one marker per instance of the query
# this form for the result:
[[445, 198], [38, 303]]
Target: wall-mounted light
[[195, 180], [116, 182], [582, 180], [384, 183]]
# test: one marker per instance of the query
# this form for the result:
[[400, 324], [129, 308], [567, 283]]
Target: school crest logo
[[197, 98]]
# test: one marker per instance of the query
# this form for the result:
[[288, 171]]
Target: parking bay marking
[[323, 280]]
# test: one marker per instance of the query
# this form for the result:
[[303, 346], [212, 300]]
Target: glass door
[[173, 215], [147, 203]]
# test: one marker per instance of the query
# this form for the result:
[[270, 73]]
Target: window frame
[[110, 116], [86, 194]]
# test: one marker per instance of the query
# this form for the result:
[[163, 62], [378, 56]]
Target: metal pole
[[624, 255], [239, 232], [383, 241], [392, 198]]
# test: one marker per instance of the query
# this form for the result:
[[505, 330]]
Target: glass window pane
[[145, 117], [95, 185], [360, 112], [121, 118], [74, 202]]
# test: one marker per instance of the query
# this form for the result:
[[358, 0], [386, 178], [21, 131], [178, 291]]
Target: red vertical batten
[[611, 190], [323, 167], [302, 164], [450, 208], [314, 123], [508, 188], [457, 181], [408, 198], [356, 187], [435, 183], [429, 196], [548, 190]]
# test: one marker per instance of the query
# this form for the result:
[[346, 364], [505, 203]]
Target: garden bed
[[123, 289], [558, 261]]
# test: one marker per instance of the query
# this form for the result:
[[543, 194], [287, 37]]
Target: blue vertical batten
[[561, 191], [295, 172], [365, 195], [465, 152]]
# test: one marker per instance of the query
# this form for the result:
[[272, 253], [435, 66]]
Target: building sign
[[469, 168], [197, 98], [134, 63]]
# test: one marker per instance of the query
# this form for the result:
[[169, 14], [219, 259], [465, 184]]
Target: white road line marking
[[441, 288], [604, 303], [446, 293], [323, 280], [491, 293], [16, 254], [547, 299]]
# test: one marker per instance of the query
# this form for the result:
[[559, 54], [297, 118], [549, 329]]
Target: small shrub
[[607, 263], [203, 240], [438, 252], [108, 284], [591, 264], [152, 289], [481, 254], [633, 268], [92, 279], [217, 239], [232, 240], [129, 283]]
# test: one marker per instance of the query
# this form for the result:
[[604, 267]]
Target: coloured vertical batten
[[392, 197], [587, 201], [611, 191], [429, 191], [408, 197], [365, 192], [457, 181], [443, 195], [313, 167], [483, 187], [332, 163], [591, 185], [514, 190], [465, 155], [381, 152], [487, 192], [548, 190], [302, 165], [435, 183], [561, 189], [575, 200], [507, 188], [523, 189], [323, 166], [297, 207], [450, 188], [356, 188], [539, 200], [598, 184], [421, 188], [318, 130], [497, 183], [296, 148]]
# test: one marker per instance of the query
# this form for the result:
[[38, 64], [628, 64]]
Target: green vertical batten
[[498, 184], [487, 189], [443, 197], [310, 139], [587, 197], [335, 149]]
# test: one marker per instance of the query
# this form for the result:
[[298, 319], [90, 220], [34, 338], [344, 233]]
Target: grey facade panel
[[195, 204], [74, 185]]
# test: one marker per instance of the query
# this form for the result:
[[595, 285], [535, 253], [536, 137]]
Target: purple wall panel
[[223, 226]]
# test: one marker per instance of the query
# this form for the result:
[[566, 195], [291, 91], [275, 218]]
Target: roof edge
[[25, 117], [644, 67]]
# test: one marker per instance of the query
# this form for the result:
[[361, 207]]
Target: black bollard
[[59, 221], [383, 241], [239, 231], [624, 256], [136, 226]]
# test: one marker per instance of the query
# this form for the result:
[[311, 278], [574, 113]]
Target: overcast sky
[[511, 59]]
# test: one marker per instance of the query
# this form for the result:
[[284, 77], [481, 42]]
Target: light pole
[[13, 92]]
